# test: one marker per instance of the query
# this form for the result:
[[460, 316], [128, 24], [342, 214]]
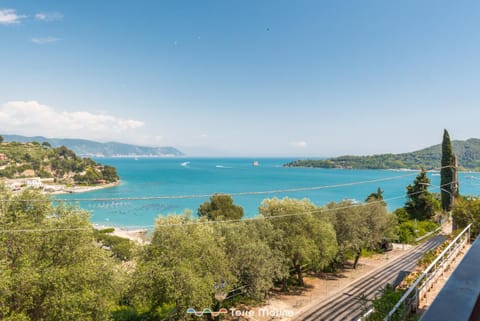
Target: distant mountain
[[468, 154], [88, 148]]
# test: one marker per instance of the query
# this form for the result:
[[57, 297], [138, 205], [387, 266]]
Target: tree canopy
[[54, 266], [51, 269], [220, 207], [421, 204], [307, 238], [466, 211], [184, 266], [376, 197], [363, 226]]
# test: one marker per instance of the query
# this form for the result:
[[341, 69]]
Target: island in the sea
[[467, 152], [51, 169]]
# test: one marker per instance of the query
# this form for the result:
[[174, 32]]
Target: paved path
[[346, 305]]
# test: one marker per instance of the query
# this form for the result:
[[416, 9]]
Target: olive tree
[[307, 239], [184, 266], [50, 266]]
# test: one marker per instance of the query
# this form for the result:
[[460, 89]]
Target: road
[[346, 305]]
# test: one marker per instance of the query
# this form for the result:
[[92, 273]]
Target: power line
[[161, 197], [206, 222], [317, 211], [292, 190], [279, 191], [257, 218]]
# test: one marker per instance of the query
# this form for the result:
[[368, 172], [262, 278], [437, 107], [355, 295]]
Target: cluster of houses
[[45, 184]]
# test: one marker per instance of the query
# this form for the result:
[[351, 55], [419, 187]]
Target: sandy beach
[[83, 189], [137, 235]]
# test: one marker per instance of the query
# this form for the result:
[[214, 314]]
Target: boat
[[185, 164], [256, 163]]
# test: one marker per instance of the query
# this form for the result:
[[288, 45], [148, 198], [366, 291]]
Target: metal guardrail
[[438, 229], [410, 298]]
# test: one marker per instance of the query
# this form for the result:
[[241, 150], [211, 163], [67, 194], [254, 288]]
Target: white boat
[[256, 163], [185, 164]]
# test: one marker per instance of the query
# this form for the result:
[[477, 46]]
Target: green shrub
[[121, 248], [384, 304], [107, 230], [408, 231]]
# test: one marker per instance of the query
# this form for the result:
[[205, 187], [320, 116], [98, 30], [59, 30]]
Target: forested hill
[[90, 148], [26, 160], [468, 154]]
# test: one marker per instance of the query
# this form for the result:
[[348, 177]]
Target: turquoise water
[[205, 176]]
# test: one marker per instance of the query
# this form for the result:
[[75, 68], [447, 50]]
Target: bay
[[163, 183]]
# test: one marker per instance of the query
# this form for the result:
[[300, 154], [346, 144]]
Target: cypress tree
[[447, 173]]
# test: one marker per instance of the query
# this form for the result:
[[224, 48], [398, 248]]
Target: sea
[[168, 186]]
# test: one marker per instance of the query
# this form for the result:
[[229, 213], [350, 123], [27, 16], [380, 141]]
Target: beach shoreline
[[136, 235], [83, 189]]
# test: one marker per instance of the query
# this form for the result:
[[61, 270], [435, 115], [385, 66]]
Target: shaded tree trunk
[[357, 257], [285, 284], [298, 269]]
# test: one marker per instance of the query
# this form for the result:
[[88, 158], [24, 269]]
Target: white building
[[33, 182]]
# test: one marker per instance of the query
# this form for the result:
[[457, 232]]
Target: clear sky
[[240, 77]]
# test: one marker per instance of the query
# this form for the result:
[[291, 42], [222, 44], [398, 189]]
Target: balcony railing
[[459, 299]]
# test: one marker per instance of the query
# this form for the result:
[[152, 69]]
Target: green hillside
[[90, 148], [468, 154], [22, 160]]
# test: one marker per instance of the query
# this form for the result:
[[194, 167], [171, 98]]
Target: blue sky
[[243, 78]]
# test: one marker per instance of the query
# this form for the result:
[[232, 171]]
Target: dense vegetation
[[50, 265], [54, 266], [193, 264], [467, 211], [121, 248], [468, 155], [41, 160]]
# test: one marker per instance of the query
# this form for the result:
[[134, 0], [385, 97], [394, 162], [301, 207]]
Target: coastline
[[434, 170], [84, 189]]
